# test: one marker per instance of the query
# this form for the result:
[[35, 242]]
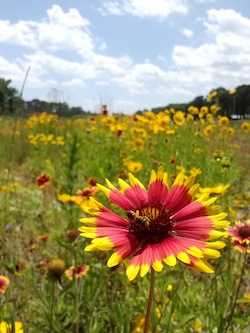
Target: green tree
[[242, 104], [9, 97], [225, 102]]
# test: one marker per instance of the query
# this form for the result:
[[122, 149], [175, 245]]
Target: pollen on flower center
[[151, 222]]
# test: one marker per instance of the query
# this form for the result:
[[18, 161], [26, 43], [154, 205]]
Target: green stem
[[52, 305], [237, 291], [150, 299], [77, 305], [165, 306]]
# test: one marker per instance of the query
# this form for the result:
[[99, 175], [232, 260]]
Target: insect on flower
[[158, 224], [135, 218]]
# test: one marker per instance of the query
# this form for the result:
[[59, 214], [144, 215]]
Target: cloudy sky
[[128, 54]]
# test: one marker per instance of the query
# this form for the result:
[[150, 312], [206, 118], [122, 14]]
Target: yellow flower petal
[[123, 185], [221, 224], [216, 245], [211, 253], [160, 173], [114, 260], [157, 266], [189, 182], [89, 221], [133, 181], [218, 216], [193, 190], [88, 234], [104, 189], [203, 198], [209, 201], [90, 247], [179, 179], [182, 256], [132, 272], [96, 204], [170, 260], [144, 269], [216, 234], [103, 243], [204, 266], [87, 229], [152, 176], [194, 251]]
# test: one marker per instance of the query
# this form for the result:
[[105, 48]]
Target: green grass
[[104, 300]]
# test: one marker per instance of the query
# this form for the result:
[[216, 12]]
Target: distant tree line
[[12, 102], [231, 103], [235, 103]]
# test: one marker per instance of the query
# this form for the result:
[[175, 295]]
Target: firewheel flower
[[240, 235], [76, 271], [4, 281], [158, 224], [42, 180]]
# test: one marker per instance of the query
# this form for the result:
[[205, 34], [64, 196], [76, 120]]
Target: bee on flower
[[155, 225]]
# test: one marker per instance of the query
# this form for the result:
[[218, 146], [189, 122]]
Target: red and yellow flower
[[4, 281], [42, 180], [76, 271], [240, 235], [158, 224]]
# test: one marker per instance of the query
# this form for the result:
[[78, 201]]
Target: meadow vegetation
[[48, 171]]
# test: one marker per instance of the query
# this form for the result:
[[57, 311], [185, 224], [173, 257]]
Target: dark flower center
[[244, 232], [77, 270], [150, 223]]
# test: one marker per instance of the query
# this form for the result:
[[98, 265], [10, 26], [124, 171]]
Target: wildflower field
[[166, 250]]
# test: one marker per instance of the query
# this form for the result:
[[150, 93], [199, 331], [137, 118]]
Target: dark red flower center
[[42, 180], [151, 223], [78, 270], [85, 193], [244, 231]]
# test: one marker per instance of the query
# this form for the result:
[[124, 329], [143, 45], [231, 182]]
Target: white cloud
[[112, 8], [204, 1], [226, 21], [17, 34], [58, 31], [225, 56], [9, 69], [74, 83], [187, 32], [102, 83], [108, 65], [142, 8], [125, 106], [169, 91], [72, 19], [136, 79], [61, 31], [221, 59]]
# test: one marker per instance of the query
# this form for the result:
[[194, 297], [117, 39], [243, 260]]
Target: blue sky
[[128, 54]]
